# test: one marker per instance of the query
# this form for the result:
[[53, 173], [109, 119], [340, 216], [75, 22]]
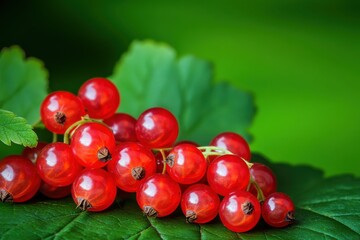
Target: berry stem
[[163, 160], [84, 119], [55, 138], [206, 150], [260, 194], [218, 151], [162, 149]]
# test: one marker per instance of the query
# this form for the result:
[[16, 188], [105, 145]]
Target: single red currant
[[228, 173], [94, 190], [61, 109], [54, 192], [200, 204], [92, 145], [264, 177], [234, 143], [123, 127], [56, 164], [157, 128], [100, 96], [240, 211], [32, 153], [158, 195], [19, 180], [186, 164], [278, 210], [131, 164]]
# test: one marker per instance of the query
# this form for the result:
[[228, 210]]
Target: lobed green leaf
[[15, 129], [150, 75], [23, 84]]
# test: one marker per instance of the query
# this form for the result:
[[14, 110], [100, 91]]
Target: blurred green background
[[301, 59]]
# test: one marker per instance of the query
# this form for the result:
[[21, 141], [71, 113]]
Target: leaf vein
[[331, 218]]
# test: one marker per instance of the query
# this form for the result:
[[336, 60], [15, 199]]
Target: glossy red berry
[[132, 163], [94, 190], [61, 109], [19, 180], [234, 143], [228, 173], [32, 153], [186, 164], [278, 210], [54, 192], [200, 204], [56, 164], [264, 177], [123, 127], [158, 196], [100, 96], [157, 128], [92, 145], [240, 211]]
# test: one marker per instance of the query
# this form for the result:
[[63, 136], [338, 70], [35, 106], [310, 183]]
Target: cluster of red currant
[[103, 150]]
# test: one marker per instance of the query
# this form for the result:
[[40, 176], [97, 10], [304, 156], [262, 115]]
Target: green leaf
[[16, 129], [326, 208], [150, 75], [23, 84]]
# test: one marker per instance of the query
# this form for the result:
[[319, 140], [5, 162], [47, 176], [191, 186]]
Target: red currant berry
[[56, 165], [19, 180], [157, 128], [94, 190], [123, 127], [158, 196], [234, 143], [92, 145], [264, 177], [61, 109], [33, 153], [200, 204], [100, 96], [54, 192], [132, 163], [228, 173], [278, 210], [186, 164], [240, 211]]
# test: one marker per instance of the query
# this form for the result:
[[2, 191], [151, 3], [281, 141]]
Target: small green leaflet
[[16, 129], [23, 84], [150, 75], [326, 208]]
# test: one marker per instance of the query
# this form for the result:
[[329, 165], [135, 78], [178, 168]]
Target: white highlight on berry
[[124, 158], [85, 138], [150, 189], [180, 157], [194, 198], [90, 92], [221, 169], [8, 173], [232, 206], [51, 158], [149, 122], [271, 204], [54, 104], [87, 183]]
